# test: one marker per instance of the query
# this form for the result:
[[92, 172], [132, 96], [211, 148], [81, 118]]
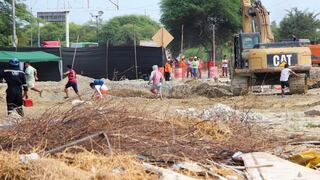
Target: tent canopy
[[35, 56]]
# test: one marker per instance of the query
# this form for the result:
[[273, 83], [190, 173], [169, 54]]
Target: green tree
[[86, 32], [52, 31], [275, 30], [196, 15], [302, 24], [23, 17], [119, 30]]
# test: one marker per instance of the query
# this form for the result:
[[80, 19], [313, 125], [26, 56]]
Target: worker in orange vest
[[183, 66], [167, 71]]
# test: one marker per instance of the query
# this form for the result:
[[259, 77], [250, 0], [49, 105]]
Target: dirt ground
[[287, 113], [283, 117]]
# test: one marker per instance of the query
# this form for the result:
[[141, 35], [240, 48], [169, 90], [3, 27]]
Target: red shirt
[[210, 64], [72, 77]]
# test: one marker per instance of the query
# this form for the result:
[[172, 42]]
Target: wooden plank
[[166, 174], [306, 142], [281, 169]]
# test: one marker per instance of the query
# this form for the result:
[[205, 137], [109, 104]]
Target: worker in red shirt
[[72, 82], [210, 64]]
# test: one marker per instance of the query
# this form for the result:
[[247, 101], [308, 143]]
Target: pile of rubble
[[221, 112]]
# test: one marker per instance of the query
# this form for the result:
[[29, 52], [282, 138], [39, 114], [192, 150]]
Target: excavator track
[[298, 85], [239, 85]]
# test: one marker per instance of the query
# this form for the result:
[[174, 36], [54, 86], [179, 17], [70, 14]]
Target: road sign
[[162, 37]]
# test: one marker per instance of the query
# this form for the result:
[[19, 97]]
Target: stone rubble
[[220, 112]]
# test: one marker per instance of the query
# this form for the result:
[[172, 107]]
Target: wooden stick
[[306, 142], [166, 173], [61, 148], [248, 167], [109, 145], [75, 53]]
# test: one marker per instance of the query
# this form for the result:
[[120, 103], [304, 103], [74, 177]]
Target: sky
[[80, 9]]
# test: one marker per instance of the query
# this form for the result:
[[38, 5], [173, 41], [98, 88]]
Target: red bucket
[[27, 102]]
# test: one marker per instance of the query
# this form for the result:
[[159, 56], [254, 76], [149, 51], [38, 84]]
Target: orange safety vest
[[167, 68], [183, 64]]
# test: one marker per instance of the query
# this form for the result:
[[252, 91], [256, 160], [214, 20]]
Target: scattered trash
[[264, 166], [310, 159], [190, 166], [28, 157], [77, 102], [237, 156], [221, 112]]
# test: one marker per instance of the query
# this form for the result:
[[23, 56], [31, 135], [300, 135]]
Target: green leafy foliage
[[275, 30], [302, 24], [23, 17], [119, 30], [195, 16]]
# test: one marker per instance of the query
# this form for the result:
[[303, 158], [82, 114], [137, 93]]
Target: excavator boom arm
[[260, 16]]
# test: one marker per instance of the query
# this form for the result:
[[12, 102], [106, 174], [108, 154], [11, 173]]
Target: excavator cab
[[243, 42]]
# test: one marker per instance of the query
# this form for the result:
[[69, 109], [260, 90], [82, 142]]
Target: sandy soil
[[287, 113]]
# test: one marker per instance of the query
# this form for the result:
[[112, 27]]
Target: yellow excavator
[[258, 60]]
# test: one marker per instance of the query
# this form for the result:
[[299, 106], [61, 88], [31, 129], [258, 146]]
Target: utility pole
[[135, 51], [212, 27], [39, 34], [97, 16], [182, 38], [31, 35], [14, 23], [67, 29], [214, 43]]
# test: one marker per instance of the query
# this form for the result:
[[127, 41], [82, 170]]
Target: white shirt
[[224, 63], [98, 88], [285, 73]]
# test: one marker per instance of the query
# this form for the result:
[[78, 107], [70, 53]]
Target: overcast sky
[[80, 9]]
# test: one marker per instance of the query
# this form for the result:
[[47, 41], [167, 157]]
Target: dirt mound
[[195, 88]]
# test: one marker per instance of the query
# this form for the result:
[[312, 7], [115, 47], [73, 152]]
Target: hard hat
[[14, 62]]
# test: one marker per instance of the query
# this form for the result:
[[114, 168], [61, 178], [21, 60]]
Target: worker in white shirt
[[284, 78], [224, 66]]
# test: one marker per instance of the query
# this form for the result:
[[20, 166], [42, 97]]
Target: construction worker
[[195, 67], [284, 78], [156, 79], [72, 82], [31, 77], [167, 71], [189, 63], [210, 65], [200, 66], [99, 88], [224, 66], [16, 81], [183, 66]]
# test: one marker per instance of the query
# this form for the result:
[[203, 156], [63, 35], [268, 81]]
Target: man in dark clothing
[[15, 79]]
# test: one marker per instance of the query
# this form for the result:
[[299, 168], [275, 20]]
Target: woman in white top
[[224, 66]]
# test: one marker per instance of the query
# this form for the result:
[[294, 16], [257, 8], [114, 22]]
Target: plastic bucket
[[178, 73], [27, 103]]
